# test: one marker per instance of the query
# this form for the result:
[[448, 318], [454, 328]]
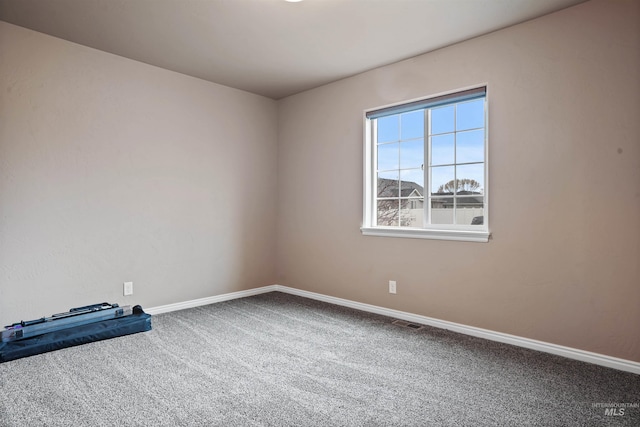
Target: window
[[426, 168]]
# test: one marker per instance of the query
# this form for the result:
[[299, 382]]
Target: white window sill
[[415, 233]]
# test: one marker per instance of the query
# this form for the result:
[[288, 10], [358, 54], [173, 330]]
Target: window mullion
[[426, 169], [455, 164], [399, 199]]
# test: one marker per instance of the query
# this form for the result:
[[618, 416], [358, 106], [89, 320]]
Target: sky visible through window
[[456, 135]]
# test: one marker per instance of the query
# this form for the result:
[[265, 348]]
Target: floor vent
[[409, 325]]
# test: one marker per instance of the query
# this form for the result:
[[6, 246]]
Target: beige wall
[[112, 170], [564, 166]]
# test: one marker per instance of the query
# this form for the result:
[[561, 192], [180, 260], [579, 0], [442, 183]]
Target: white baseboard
[[209, 300], [568, 352]]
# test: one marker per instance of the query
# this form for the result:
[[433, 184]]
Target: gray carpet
[[281, 360]]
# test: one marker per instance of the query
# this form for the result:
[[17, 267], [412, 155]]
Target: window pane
[[442, 119], [389, 128], [412, 183], [442, 149], [411, 154], [388, 184], [412, 124], [388, 214], [478, 220], [442, 211], [470, 210], [470, 115], [470, 201], [471, 179], [442, 179], [388, 156], [411, 213], [470, 146]]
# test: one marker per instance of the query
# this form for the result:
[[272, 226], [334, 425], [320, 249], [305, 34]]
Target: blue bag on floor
[[139, 321]]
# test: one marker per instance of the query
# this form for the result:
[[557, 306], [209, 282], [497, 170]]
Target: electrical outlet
[[392, 286], [128, 288]]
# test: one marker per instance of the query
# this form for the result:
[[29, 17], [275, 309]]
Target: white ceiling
[[271, 47]]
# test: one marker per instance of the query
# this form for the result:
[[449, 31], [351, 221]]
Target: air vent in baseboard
[[409, 325]]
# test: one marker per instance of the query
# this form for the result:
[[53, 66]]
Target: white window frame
[[455, 232]]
